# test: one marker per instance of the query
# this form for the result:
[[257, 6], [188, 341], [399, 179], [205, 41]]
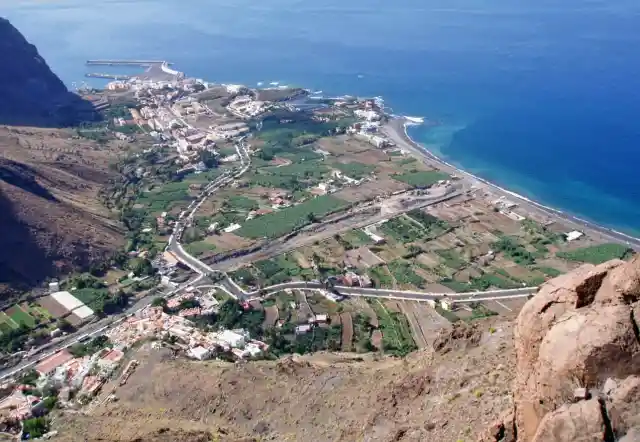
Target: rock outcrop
[[30, 94], [578, 358]]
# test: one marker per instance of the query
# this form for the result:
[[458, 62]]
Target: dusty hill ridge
[[322, 397], [52, 221]]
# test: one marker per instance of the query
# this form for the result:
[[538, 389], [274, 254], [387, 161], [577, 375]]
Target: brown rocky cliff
[[578, 358]]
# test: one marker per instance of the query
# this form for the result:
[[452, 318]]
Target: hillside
[[323, 397], [30, 94], [52, 220]]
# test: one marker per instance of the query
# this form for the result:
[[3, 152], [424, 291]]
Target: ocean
[[540, 97]]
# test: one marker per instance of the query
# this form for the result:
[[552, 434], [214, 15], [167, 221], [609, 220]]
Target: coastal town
[[273, 221]]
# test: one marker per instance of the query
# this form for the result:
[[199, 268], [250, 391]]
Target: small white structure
[[235, 340], [231, 228], [199, 353], [54, 286], [253, 349], [83, 312], [318, 318], [573, 235], [447, 304], [302, 329]]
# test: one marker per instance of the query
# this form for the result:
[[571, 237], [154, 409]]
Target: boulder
[[579, 330], [579, 422]]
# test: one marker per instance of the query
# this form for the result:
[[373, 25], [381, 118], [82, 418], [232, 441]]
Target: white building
[[231, 228], [302, 329], [199, 353], [573, 235], [368, 115], [232, 338]]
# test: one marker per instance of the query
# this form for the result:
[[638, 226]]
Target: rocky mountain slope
[[30, 94], [578, 359], [441, 395], [52, 221]]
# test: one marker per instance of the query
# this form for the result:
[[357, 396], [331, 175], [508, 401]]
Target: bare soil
[[445, 395], [53, 221]]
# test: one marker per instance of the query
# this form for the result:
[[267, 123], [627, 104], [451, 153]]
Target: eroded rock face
[[580, 331]]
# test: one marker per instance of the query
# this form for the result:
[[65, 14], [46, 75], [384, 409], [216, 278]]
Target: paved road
[[93, 329], [412, 295]]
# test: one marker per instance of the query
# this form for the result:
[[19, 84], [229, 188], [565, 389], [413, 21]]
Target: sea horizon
[[538, 98]]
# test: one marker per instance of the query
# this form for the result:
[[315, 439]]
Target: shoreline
[[398, 126]]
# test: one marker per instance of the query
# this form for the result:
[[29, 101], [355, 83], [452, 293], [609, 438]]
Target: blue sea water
[[542, 97]]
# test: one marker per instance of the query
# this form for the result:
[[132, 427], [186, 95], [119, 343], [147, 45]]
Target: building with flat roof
[[67, 300], [48, 366]]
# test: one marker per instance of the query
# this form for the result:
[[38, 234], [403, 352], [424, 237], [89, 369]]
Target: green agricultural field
[[403, 273], [549, 271], [421, 178], [90, 296], [356, 238], [239, 202], [20, 316], [489, 280], [396, 332], [301, 155], [354, 170], [307, 169], [451, 259], [456, 286], [402, 230], [381, 276], [6, 323], [198, 248], [276, 224], [266, 180], [163, 198], [281, 269], [203, 177], [597, 254]]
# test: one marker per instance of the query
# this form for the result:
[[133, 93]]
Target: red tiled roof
[[54, 361]]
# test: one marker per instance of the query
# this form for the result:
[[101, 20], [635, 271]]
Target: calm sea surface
[[539, 96]]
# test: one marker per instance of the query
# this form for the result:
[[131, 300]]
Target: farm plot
[[362, 257], [281, 269], [6, 323], [421, 178], [199, 248], [396, 332], [347, 331], [280, 223], [451, 259], [597, 254], [403, 273], [20, 316], [165, 197], [381, 277], [354, 170], [356, 238]]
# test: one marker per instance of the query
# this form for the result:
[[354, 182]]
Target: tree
[[35, 427], [141, 267], [208, 158], [159, 302], [64, 325]]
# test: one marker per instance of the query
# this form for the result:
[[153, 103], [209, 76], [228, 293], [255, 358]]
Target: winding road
[[210, 277]]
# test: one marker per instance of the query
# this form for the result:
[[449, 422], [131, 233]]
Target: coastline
[[396, 129]]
